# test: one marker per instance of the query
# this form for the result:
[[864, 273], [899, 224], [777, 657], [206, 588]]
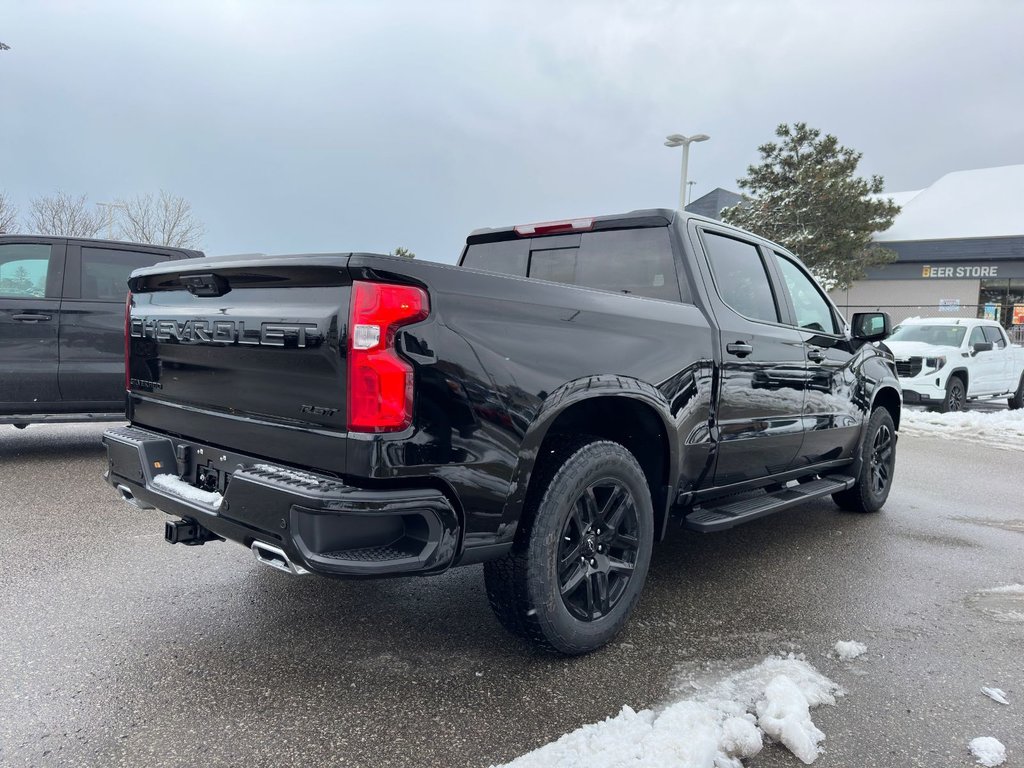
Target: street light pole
[[678, 140], [110, 216]]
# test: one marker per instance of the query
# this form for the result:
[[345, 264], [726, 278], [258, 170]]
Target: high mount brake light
[[553, 227], [380, 383], [127, 341]]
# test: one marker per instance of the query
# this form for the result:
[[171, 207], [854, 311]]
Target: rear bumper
[[319, 522]]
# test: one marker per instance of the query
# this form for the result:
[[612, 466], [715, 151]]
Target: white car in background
[[945, 363]]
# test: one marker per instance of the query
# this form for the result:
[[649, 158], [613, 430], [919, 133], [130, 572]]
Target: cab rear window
[[637, 262]]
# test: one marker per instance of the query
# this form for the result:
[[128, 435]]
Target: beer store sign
[[959, 270]]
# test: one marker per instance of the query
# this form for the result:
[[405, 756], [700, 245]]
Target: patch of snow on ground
[[849, 649], [1004, 603], [1002, 429], [989, 751], [177, 487], [996, 694], [715, 728]]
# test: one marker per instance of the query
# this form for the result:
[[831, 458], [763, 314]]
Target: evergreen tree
[[805, 196], [405, 253]]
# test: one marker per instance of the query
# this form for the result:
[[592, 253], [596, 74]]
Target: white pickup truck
[[945, 363]]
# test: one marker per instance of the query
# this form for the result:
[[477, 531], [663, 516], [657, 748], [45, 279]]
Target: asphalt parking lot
[[119, 650]]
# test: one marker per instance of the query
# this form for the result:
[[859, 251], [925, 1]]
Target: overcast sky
[[307, 126]]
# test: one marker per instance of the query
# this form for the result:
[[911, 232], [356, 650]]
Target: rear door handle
[[29, 318], [816, 355], [739, 348]]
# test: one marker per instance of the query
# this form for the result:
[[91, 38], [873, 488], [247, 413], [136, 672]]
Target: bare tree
[[163, 220], [8, 214], [62, 214]]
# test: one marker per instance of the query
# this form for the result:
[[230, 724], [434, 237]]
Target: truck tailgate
[[251, 353]]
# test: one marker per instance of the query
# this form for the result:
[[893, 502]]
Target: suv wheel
[[878, 463], [579, 564], [1016, 401], [956, 396]]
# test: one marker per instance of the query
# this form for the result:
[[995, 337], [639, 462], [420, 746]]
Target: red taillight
[[553, 227], [380, 383], [127, 340]]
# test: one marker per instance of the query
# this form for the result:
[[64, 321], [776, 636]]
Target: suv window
[[813, 312], [995, 335], [977, 336], [105, 272], [23, 270], [740, 276]]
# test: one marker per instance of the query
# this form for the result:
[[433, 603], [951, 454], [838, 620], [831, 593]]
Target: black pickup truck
[[545, 408], [62, 325]]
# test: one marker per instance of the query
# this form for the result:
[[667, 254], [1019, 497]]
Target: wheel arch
[[625, 411], [963, 374], [889, 398]]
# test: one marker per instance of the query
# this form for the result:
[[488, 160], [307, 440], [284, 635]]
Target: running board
[[726, 515]]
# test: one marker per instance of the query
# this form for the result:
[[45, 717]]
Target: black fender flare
[[561, 400]]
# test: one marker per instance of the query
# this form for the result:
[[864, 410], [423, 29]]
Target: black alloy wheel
[[598, 549], [582, 551], [876, 469], [883, 459]]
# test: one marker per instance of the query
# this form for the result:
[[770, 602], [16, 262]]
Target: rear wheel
[[579, 565], [878, 463], [1016, 401], [956, 396]]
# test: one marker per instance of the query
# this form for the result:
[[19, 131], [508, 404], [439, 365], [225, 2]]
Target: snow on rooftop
[[718, 727], [981, 203]]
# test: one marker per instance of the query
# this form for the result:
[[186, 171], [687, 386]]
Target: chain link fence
[[1006, 314]]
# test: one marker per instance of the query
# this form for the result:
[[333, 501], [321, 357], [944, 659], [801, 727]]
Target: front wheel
[[878, 463], [580, 562], [1016, 401], [956, 396]]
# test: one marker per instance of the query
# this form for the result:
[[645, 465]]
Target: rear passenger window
[[105, 272], [995, 335], [740, 276], [23, 270]]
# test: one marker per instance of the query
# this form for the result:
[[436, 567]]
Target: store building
[[960, 252]]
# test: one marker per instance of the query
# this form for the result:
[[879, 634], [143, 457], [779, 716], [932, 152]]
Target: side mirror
[[870, 326], [982, 346]]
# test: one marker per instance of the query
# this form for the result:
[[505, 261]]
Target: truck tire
[[582, 554], [1016, 401], [878, 463], [956, 396]]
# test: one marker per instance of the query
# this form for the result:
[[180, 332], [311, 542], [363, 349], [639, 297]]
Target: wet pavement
[[117, 649]]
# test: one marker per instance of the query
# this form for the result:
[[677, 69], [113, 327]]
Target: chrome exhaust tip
[[276, 558]]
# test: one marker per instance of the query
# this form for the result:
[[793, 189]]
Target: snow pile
[[1003, 429], [988, 751], [849, 649], [175, 486], [1004, 603], [714, 729], [996, 694]]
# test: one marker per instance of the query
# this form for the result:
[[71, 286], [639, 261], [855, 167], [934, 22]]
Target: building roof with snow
[[987, 202], [713, 202]]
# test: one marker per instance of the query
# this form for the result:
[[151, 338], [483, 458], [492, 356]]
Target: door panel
[[758, 421], [92, 322], [30, 278], [832, 420]]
